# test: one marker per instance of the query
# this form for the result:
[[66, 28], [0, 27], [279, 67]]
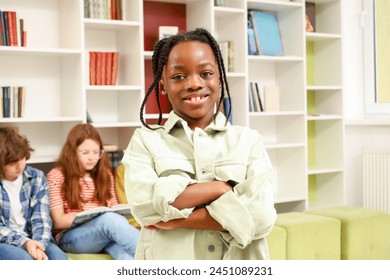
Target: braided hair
[[159, 59]]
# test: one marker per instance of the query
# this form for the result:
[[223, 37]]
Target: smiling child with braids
[[199, 186]]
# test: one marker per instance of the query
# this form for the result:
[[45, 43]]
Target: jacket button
[[211, 248]]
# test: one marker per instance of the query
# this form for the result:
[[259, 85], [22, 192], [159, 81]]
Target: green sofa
[[335, 233]]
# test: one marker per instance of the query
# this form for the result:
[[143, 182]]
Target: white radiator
[[376, 179]]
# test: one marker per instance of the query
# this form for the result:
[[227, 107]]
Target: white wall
[[359, 132]]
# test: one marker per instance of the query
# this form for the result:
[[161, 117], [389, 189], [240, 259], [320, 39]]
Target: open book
[[85, 216]]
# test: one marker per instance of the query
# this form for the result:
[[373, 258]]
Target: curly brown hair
[[13, 147]]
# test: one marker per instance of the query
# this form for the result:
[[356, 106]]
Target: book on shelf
[[87, 215], [271, 98], [252, 47], [89, 118], [21, 101], [92, 68], [97, 70], [260, 95], [103, 9], [226, 107], [114, 68], [103, 68], [115, 158], [219, 3], [310, 16], [167, 31], [226, 48], [251, 105], [256, 97], [1, 30], [110, 147], [267, 33]]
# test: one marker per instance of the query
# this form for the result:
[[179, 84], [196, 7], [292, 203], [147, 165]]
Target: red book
[[24, 39], [109, 68], [98, 68], [14, 29], [113, 9], [92, 68], [115, 61], [11, 31], [103, 69]]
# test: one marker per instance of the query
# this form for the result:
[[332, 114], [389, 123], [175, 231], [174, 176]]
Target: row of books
[[12, 101], [264, 36], [103, 9], [263, 98], [103, 68], [12, 32]]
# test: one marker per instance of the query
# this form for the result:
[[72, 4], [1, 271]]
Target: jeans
[[110, 233], [11, 252]]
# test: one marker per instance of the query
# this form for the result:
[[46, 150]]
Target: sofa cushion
[[277, 243], [310, 237], [365, 233]]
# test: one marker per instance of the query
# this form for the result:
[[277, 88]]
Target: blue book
[[6, 102], [267, 33], [4, 31], [227, 107]]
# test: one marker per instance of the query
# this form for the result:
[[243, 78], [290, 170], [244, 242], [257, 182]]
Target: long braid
[[159, 58], [160, 53]]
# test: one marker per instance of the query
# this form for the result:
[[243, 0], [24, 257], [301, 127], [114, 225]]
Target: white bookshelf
[[304, 139], [324, 89]]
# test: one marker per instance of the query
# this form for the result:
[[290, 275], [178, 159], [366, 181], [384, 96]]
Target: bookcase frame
[[304, 139]]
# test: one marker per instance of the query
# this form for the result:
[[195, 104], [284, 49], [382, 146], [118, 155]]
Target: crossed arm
[[192, 196]]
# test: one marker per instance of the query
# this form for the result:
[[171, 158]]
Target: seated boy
[[25, 222]]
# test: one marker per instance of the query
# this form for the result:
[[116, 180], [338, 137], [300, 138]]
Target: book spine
[[260, 96], [98, 70], [11, 102], [21, 101], [115, 61], [92, 68], [113, 10], [6, 31], [1, 29], [14, 30], [103, 69], [86, 8], [21, 30], [16, 102], [11, 28], [109, 68], [6, 102]]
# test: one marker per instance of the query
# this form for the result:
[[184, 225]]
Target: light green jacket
[[160, 164]]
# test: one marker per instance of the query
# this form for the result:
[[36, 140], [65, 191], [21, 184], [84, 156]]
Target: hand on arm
[[35, 249], [61, 220]]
